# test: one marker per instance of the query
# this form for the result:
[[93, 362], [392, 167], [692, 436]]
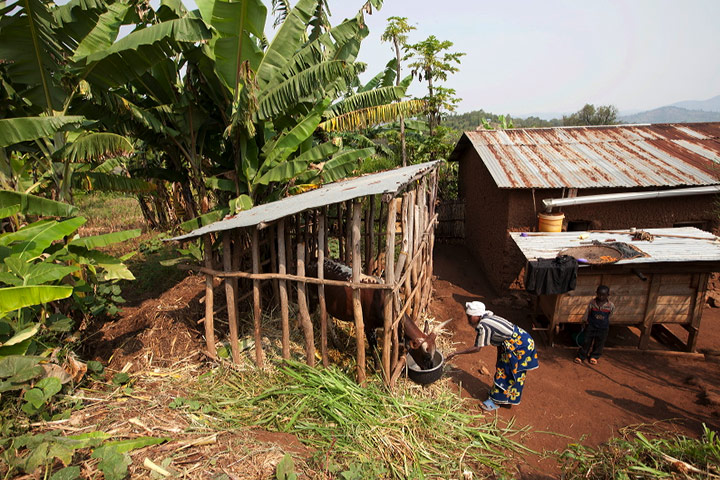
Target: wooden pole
[[257, 307], [349, 251], [274, 263], [341, 232], [357, 306], [282, 284], [369, 235], [321, 236], [388, 331], [209, 300], [230, 296], [378, 260], [303, 308]]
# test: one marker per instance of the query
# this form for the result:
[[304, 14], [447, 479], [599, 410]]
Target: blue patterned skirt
[[515, 357]]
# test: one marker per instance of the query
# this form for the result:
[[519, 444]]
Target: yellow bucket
[[550, 222]]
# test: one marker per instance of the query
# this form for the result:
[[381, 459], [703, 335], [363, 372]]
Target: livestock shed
[[664, 285], [382, 222], [508, 177]]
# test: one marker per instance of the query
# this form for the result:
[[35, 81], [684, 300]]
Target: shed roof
[[661, 249], [660, 155], [389, 181]]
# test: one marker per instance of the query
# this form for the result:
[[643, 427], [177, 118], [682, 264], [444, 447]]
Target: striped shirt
[[493, 331]]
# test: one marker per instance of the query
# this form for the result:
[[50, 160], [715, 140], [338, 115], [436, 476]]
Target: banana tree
[[49, 55]]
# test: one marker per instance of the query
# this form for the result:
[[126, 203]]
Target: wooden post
[[349, 251], [321, 236], [274, 262], [341, 232], [378, 260], [370, 236], [357, 306], [230, 296], [282, 284], [696, 311], [388, 331], [303, 308], [209, 300], [257, 308], [649, 315]]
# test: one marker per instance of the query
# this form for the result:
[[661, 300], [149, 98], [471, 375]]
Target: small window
[[578, 225], [700, 224]]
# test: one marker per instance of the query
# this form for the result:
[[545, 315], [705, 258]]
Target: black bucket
[[425, 377]]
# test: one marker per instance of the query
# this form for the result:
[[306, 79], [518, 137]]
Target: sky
[[554, 56], [551, 57]]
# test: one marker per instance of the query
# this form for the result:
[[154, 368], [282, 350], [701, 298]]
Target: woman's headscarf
[[477, 309]]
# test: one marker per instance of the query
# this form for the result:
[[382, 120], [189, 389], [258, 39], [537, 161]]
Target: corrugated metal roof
[[390, 181], [661, 155], [661, 249]]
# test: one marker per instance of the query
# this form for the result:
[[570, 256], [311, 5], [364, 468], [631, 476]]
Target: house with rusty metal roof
[[596, 177]]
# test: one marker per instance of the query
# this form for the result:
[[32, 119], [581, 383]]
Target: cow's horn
[[440, 326]]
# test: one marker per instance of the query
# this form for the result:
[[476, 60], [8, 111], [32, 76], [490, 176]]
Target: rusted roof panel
[[389, 181], [660, 155]]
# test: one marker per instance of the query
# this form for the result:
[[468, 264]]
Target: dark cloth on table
[[551, 276], [626, 250]]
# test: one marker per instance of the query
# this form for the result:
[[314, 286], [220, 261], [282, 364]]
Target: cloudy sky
[[551, 57], [530, 56]]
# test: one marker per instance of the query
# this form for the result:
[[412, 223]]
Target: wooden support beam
[[357, 306], [321, 236], [349, 251], [282, 285], [370, 237], [648, 316], [388, 332], [209, 299], [230, 296], [257, 307], [303, 308], [696, 311], [272, 235], [341, 231]]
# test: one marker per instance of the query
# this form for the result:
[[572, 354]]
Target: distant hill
[[709, 105], [672, 114]]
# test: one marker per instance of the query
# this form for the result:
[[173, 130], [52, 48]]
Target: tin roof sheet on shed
[[706, 248], [390, 181], [661, 155]]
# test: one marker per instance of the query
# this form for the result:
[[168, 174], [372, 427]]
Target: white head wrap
[[476, 309]]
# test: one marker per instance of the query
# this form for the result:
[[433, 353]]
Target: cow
[[339, 303]]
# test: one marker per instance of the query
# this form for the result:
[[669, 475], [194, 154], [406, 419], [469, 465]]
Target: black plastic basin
[[425, 377]]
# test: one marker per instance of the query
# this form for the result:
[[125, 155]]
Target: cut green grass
[[366, 430], [641, 453]]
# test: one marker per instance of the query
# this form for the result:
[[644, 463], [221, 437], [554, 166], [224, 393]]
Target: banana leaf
[[14, 298], [99, 241], [32, 205], [24, 129]]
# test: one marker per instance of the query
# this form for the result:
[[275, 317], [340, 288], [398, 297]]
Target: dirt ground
[[578, 403], [563, 402]]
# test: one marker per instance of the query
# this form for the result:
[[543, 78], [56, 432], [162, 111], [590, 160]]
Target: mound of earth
[[159, 331]]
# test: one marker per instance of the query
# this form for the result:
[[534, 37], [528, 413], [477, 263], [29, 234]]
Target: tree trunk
[[402, 118]]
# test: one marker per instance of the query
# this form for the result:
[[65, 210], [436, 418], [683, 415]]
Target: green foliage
[[470, 121], [330, 412], [285, 469], [589, 115], [28, 453], [640, 455]]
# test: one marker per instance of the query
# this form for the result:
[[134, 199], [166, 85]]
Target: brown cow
[[339, 304]]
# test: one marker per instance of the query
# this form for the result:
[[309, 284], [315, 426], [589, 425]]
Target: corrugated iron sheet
[[661, 249], [390, 181], [608, 156]]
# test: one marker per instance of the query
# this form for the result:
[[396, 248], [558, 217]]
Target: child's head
[[603, 293]]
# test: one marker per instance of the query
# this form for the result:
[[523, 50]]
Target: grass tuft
[[364, 430]]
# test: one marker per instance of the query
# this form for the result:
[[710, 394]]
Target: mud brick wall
[[491, 212]]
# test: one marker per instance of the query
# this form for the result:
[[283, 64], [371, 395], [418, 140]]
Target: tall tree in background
[[395, 32], [431, 63], [589, 115]]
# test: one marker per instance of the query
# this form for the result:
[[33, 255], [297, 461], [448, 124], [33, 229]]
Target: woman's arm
[[463, 352]]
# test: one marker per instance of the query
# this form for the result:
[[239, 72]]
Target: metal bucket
[[425, 377]]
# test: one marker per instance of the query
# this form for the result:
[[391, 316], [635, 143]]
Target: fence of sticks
[[386, 232]]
